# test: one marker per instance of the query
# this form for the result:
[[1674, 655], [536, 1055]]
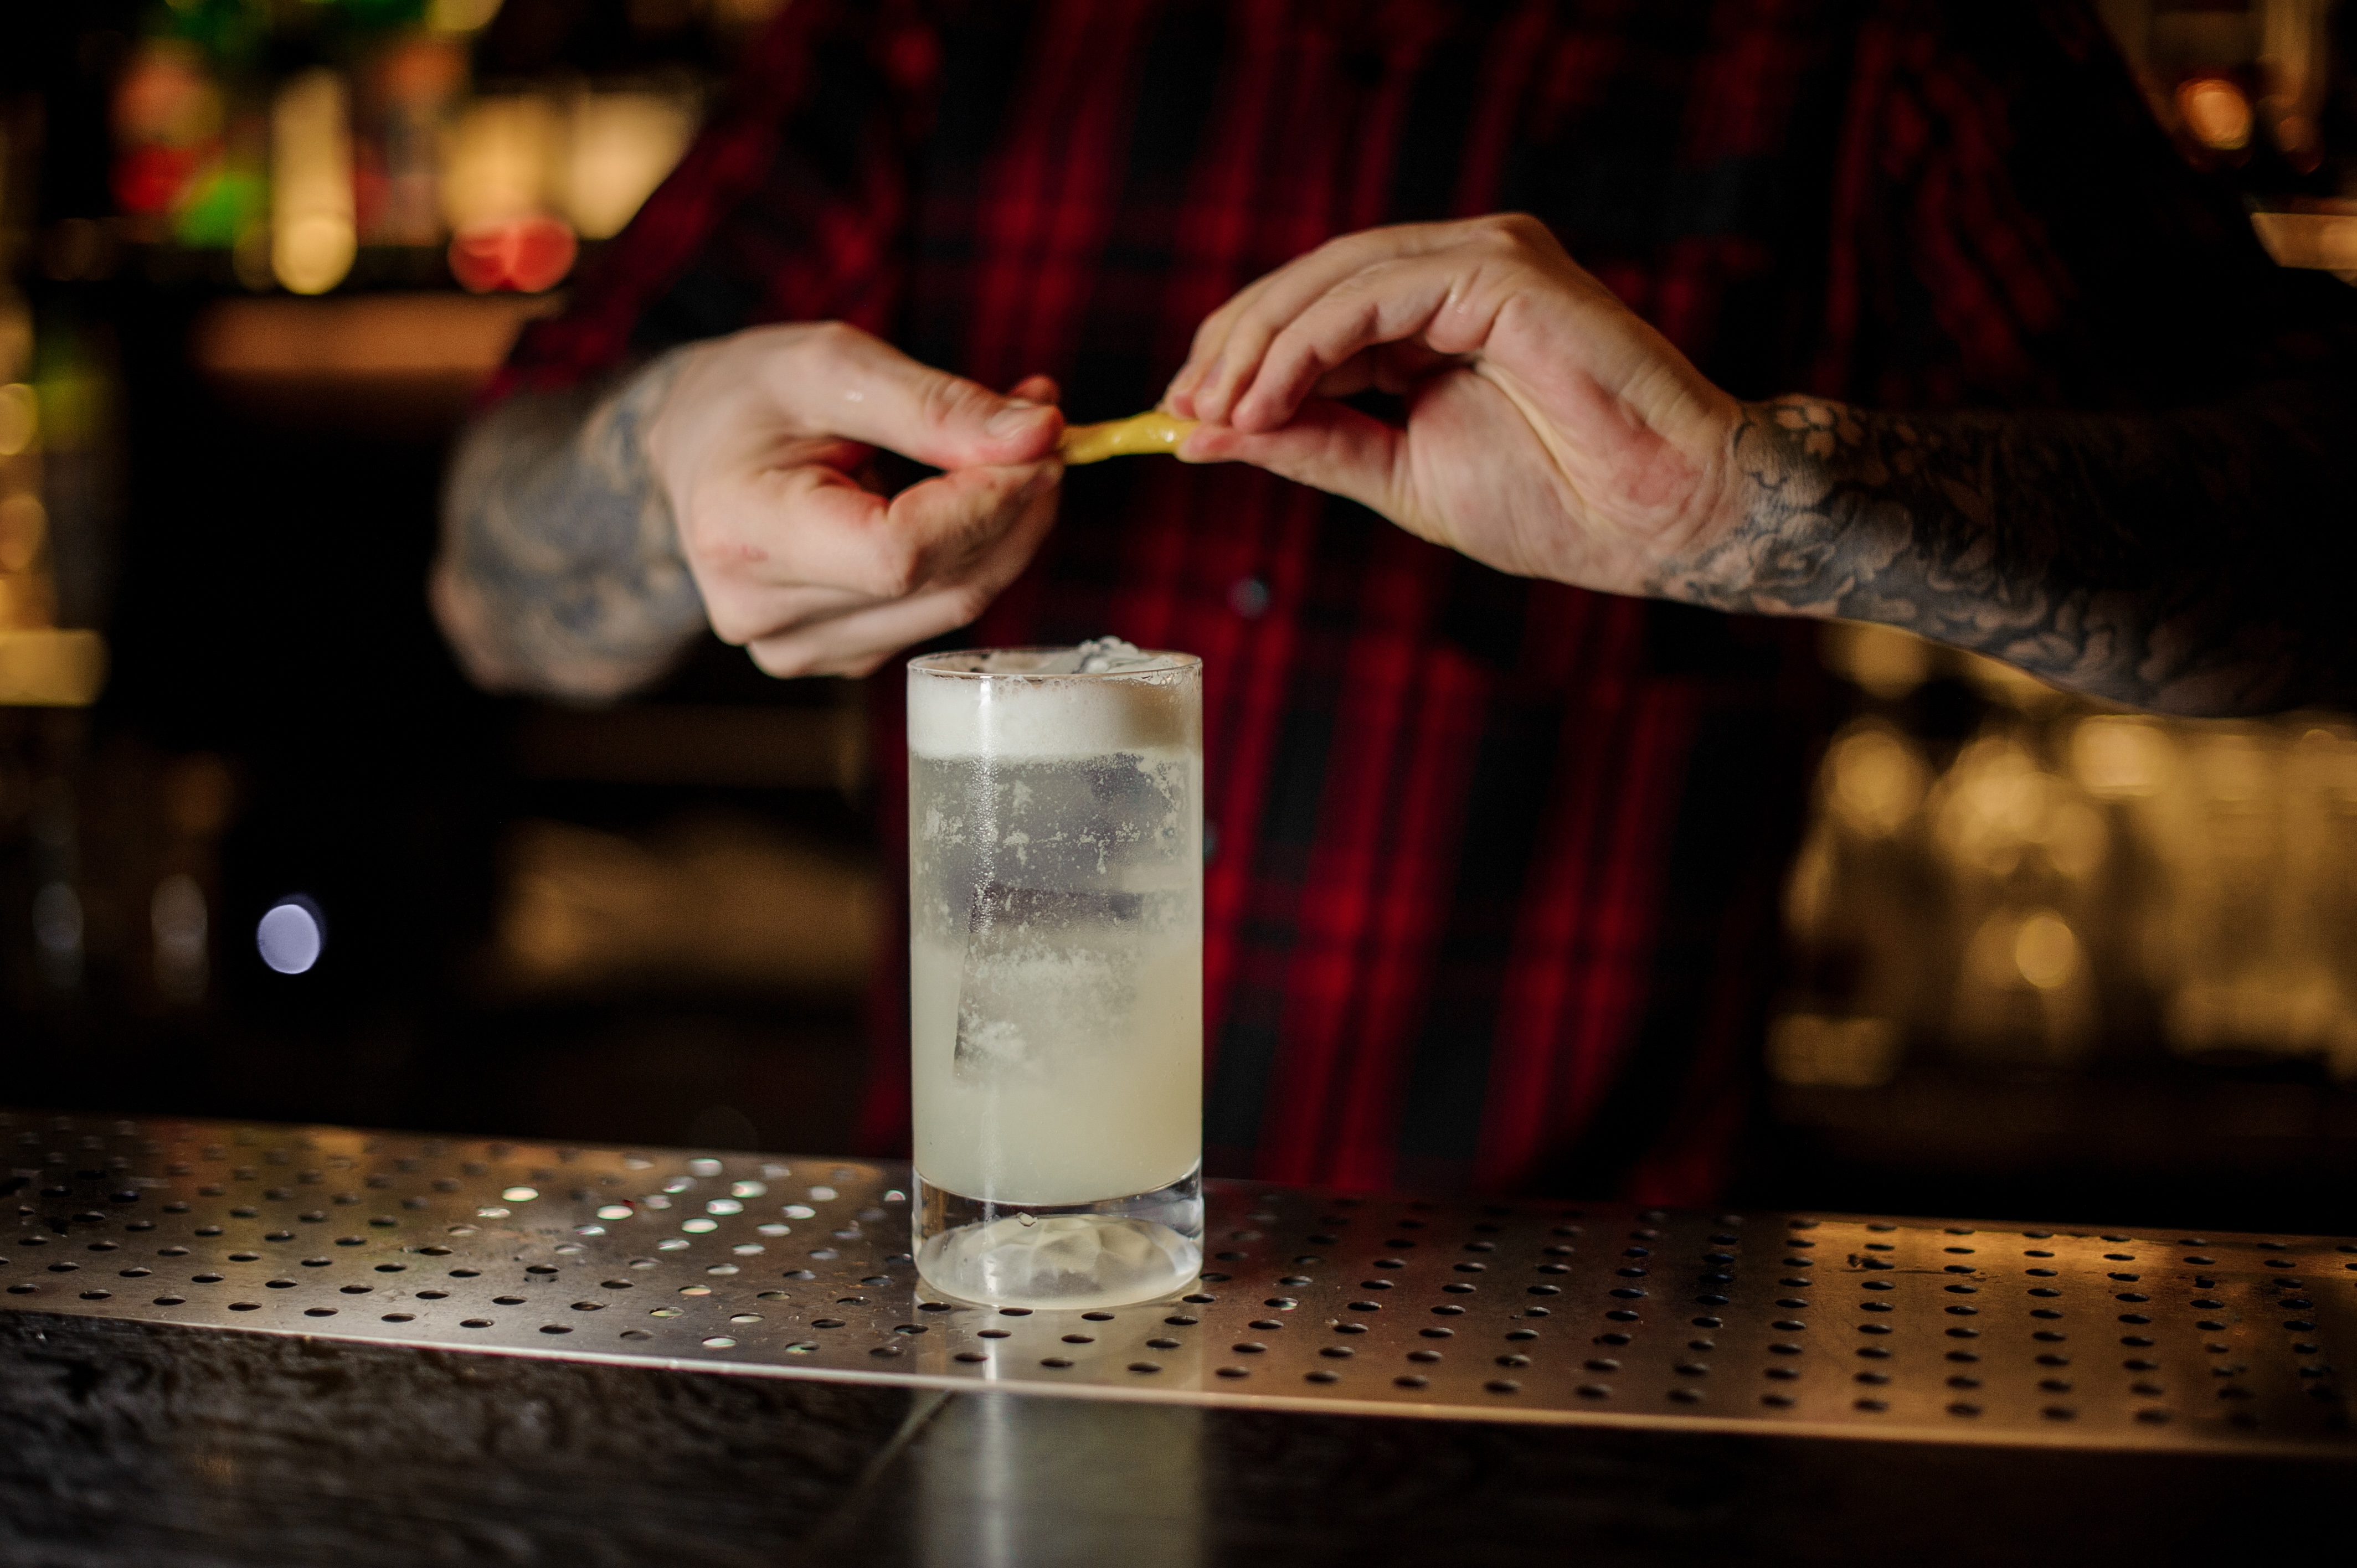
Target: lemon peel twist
[[1139, 435]]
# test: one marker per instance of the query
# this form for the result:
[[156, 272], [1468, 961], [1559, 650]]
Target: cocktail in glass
[[1055, 882]]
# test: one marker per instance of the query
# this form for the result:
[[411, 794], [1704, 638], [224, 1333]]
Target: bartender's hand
[[1550, 432], [760, 445]]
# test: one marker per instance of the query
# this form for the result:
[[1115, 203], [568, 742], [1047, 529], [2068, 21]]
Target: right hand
[[759, 446]]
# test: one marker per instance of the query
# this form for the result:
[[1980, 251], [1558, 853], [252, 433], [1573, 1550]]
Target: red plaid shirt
[[1492, 900]]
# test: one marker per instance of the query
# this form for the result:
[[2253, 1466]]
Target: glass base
[[1108, 1253]]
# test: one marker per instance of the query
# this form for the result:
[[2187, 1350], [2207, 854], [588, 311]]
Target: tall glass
[[1056, 959]]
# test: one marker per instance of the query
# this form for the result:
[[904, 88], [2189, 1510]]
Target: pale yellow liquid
[[1127, 1117], [1081, 1074]]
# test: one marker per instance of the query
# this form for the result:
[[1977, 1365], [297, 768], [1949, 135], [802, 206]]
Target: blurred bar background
[[263, 853]]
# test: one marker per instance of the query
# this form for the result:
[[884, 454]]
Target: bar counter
[[239, 1344]]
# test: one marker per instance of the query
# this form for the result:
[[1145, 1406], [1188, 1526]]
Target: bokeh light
[[2216, 113], [179, 923], [291, 936], [525, 254], [313, 240]]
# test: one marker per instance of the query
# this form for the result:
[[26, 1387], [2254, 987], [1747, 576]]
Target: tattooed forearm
[[2190, 563], [560, 571]]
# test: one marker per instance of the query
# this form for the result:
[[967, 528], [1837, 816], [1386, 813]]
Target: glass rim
[[1167, 661]]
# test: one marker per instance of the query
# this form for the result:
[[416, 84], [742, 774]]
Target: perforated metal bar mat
[[1550, 1312]]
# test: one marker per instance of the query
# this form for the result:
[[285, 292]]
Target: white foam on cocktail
[[1127, 701]]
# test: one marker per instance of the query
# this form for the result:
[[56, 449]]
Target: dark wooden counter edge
[[169, 1447]]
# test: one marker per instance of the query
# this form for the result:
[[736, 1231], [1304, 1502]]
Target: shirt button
[[1248, 596]]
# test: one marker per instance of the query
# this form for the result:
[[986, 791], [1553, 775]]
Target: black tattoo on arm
[[2191, 563], [560, 571]]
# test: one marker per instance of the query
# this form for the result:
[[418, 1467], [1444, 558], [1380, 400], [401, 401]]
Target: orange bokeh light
[[2216, 113], [524, 255]]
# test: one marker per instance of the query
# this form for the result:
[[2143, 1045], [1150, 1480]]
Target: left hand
[[1550, 432]]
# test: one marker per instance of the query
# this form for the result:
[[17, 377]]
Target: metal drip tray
[[1529, 1312]]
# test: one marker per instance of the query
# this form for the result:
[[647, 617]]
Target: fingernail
[[1017, 417]]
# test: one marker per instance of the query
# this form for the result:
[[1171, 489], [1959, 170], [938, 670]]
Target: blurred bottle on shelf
[[195, 798], [342, 141], [2293, 62], [526, 173], [2050, 884], [2023, 854], [500, 188], [58, 471], [405, 94], [56, 483], [2232, 79], [313, 231], [1853, 908], [619, 146], [57, 507], [2249, 946]]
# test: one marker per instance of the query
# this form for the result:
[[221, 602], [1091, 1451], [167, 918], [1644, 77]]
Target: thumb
[[859, 387]]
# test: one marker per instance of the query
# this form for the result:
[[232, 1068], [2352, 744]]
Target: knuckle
[[1501, 229], [731, 626], [734, 615], [1368, 280], [768, 335], [1349, 244], [948, 401], [900, 568], [1521, 232], [835, 337], [966, 603], [785, 659]]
